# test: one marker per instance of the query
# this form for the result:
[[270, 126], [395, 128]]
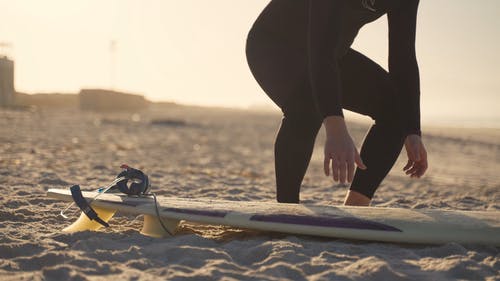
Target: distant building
[[6, 81], [106, 100], [47, 100]]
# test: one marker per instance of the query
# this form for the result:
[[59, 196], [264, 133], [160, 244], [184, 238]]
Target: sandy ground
[[223, 154]]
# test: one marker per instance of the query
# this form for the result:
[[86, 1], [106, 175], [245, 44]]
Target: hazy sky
[[192, 51]]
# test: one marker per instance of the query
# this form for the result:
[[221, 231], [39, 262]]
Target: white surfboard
[[364, 223]]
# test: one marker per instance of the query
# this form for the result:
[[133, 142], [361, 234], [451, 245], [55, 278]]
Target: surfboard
[[429, 226]]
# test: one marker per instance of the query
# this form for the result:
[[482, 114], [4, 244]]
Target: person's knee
[[305, 123]]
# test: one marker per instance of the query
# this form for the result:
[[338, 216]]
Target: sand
[[224, 154]]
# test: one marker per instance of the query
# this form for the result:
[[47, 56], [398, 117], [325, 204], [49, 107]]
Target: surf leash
[[84, 205], [131, 181], [99, 190]]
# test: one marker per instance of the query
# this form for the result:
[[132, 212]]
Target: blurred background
[[193, 52]]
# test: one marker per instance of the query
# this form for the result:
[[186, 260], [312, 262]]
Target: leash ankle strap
[[82, 203]]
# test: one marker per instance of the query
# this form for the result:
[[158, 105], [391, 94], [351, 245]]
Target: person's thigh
[[366, 87], [279, 70], [276, 51]]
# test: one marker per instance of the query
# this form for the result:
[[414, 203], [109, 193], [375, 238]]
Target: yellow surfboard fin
[[84, 223], [153, 228]]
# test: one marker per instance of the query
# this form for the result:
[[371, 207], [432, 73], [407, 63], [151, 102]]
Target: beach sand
[[224, 154]]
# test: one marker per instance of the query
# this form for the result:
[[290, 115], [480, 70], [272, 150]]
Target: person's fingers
[[359, 161], [418, 170], [350, 170], [342, 170], [326, 165], [412, 170], [423, 168], [423, 162], [335, 169], [408, 165], [420, 173], [421, 165]]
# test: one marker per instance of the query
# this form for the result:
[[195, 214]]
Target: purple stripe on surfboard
[[207, 213], [334, 221]]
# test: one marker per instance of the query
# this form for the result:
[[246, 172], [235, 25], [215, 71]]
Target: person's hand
[[417, 156], [340, 152]]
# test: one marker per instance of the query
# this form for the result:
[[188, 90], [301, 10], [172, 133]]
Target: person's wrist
[[413, 136], [414, 132], [334, 126]]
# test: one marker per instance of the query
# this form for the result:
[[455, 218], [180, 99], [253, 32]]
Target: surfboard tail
[[84, 223]]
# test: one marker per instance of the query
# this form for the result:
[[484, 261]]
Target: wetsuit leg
[[368, 89], [294, 145], [281, 71]]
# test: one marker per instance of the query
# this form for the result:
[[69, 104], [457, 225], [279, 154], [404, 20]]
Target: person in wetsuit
[[299, 53]]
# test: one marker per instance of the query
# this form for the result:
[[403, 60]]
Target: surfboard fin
[[84, 223], [153, 228]]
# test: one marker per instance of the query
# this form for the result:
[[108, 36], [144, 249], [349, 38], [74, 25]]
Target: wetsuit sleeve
[[323, 38], [403, 67]]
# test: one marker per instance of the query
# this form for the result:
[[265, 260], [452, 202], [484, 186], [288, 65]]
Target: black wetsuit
[[299, 53]]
